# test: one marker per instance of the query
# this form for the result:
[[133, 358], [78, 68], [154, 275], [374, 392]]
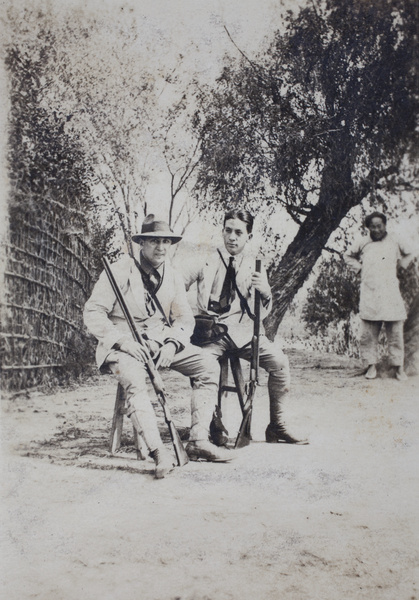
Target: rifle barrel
[[256, 327], [121, 301], [244, 436]]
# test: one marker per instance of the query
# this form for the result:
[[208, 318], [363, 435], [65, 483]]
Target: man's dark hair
[[243, 215], [375, 215]]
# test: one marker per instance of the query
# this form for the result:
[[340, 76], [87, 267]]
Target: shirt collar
[[382, 239], [238, 258]]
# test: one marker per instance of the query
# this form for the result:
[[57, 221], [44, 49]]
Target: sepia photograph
[[209, 250]]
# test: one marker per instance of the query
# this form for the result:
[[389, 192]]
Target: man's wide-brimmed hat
[[155, 229]]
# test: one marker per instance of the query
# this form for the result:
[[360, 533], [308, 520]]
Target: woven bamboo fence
[[47, 281]]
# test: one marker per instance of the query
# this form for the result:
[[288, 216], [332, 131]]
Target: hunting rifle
[[244, 436], [155, 377]]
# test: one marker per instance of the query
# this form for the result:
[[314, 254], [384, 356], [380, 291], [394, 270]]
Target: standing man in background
[[225, 291], [377, 257]]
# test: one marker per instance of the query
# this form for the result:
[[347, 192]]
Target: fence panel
[[47, 281]]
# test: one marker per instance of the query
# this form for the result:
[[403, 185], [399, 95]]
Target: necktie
[[151, 278], [227, 291], [154, 280], [151, 281]]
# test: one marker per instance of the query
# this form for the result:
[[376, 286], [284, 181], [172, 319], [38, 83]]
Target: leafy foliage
[[409, 282], [98, 84], [46, 165], [333, 297]]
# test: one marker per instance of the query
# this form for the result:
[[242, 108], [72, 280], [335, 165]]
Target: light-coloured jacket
[[103, 316], [380, 297], [240, 326]]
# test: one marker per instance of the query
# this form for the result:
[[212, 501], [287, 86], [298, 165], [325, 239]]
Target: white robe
[[380, 297]]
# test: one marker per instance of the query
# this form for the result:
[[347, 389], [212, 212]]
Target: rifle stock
[[155, 377], [244, 434]]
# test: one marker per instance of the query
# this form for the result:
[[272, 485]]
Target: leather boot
[[218, 433], [203, 450], [276, 434], [164, 462], [400, 374]]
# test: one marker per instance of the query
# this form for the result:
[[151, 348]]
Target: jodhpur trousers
[[273, 360], [204, 370]]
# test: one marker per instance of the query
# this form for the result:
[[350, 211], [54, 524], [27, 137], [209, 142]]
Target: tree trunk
[[337, 197]]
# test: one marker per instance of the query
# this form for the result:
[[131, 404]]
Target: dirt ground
[[336, 519]]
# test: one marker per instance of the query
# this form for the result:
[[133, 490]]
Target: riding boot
[[162, 457], [275, 432], [164, 462]]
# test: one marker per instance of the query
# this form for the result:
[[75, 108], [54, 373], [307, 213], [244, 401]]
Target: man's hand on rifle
[[166, 355], [260, 282], [134, 349]]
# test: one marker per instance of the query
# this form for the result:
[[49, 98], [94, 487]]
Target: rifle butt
[[180, 452], [244, 436], [181, 456]]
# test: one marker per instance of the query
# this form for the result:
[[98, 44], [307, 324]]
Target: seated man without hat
[[139, 278], [226, 283]]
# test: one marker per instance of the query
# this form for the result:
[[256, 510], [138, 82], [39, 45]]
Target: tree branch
[[251, 63], [333, 251]]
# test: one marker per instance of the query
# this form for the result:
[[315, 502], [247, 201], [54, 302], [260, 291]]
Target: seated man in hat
[[155, 294], [225, 291]]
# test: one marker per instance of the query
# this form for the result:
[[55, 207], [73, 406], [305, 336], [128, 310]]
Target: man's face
[[377, 229], [235, 236], [155, 250]]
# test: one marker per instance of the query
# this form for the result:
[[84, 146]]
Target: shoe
[[203, 450], [164, 462], [276, 434], [218, 433], [371, 372], [400, 374]]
